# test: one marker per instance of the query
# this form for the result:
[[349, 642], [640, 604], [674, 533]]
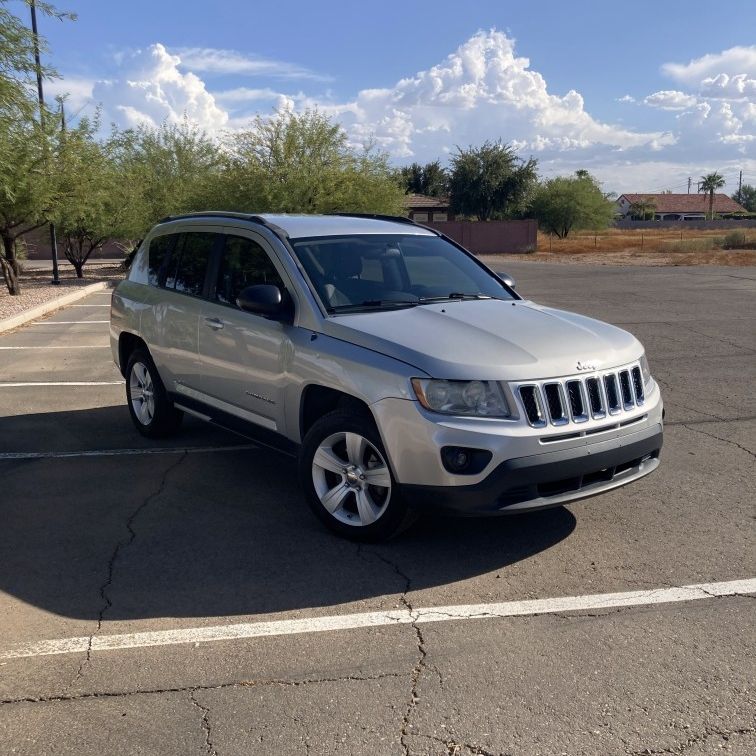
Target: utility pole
[[40, 94], [740, 187], [690, 181]]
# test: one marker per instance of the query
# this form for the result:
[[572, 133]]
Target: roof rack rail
[[229, 214], [378, 216]]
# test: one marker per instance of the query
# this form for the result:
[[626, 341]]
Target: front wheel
[[347, 480], [151, 410]]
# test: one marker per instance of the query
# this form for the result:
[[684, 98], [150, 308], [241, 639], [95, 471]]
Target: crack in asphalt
[[747, 350], [420, 664], [192, 689], [723, 420], [205, 723], [708, 733], [719, 438], [122, 544]]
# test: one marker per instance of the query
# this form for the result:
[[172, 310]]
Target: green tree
[[302, 163], [430, 179], [567, 203], [709, 184], [746, 196], [92, 203], [17, 65], [163, 171], [26, 187], [490, 181], [643, 209]]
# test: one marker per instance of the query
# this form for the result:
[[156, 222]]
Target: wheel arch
[[318, 400], [127, 343]]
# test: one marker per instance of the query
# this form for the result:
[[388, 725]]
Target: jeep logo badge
[[587, 366]]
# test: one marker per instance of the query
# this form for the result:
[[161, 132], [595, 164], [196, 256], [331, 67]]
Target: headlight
[[645, 370], [472, 398]]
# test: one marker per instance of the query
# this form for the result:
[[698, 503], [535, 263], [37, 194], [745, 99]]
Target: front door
[[243, 356]]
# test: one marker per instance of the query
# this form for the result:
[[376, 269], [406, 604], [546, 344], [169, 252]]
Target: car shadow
[[210, 534]]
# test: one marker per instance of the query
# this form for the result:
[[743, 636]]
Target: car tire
[[340, 456], [150, 408]]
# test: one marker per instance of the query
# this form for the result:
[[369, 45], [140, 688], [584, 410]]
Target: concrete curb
[[54, 304]]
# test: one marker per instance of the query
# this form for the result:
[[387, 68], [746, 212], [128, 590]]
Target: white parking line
[[376, 619], [73, 346], [125, 452], [67, 322], [62, 383]]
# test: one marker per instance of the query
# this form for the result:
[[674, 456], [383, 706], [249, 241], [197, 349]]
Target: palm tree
[[710, 184]]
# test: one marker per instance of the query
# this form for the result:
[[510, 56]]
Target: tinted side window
[[189, 263], [243, 263], [160, 246]]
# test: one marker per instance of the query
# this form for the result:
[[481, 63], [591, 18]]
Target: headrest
[[347, 264]]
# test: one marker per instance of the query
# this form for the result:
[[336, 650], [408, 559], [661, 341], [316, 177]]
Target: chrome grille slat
[[638, 385], [626, 389], [595, 398], [530, 396], [578, 399], [556, 404], [612, 393]]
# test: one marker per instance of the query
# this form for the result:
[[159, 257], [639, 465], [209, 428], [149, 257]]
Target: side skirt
[[229, 422]]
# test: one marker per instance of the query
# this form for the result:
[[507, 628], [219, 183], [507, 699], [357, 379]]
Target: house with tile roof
[[424, 209], [680, 206]]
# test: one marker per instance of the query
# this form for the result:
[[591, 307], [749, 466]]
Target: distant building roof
[[686, 203], [418, 201]]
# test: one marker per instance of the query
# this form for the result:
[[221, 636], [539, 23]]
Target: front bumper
[[548, 480], [530, 468]]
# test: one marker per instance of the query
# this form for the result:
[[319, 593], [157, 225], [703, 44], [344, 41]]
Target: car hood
[[488, 339]]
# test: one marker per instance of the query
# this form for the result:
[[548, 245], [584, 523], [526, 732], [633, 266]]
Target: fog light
[[463, 461]]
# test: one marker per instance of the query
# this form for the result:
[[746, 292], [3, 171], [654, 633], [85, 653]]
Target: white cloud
[[481, 91], [213, 60], [153, 89], [717, 111], [77, 92], [626, 98], [670, 99], [735, 60]]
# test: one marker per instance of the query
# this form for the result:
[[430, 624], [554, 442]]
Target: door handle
[[215, 323]]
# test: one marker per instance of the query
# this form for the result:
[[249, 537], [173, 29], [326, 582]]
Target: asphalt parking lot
[[178, 597]]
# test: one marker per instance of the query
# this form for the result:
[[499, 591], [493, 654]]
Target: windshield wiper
[[455, 295], [374, 304]]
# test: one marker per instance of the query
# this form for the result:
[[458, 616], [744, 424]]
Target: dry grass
[[668, 246]]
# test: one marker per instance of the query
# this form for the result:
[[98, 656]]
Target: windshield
[[371, 271]]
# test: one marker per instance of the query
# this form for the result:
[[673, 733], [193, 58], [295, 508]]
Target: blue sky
[[419, 78]]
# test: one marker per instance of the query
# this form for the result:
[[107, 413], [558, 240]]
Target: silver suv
[[405, 373]]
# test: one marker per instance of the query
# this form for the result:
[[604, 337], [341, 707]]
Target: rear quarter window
[[158, 251]]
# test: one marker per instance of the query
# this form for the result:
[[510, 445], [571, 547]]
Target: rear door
[[244, 356], [178, 313]]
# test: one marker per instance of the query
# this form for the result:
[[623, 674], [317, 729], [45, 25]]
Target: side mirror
[[508, 280], [266, 300]]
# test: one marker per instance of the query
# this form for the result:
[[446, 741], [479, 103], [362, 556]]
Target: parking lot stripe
[[61, 383], [375, 619], [73, 346], [125, 452], [67, 322]]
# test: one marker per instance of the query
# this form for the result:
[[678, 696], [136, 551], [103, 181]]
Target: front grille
[[576, 399]]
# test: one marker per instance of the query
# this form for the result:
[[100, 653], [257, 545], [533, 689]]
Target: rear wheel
[[151, 410], [348, 482]]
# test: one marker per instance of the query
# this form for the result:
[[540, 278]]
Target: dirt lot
[[647, 247]]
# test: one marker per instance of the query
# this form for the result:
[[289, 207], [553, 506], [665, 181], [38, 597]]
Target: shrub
[[734, 240]]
